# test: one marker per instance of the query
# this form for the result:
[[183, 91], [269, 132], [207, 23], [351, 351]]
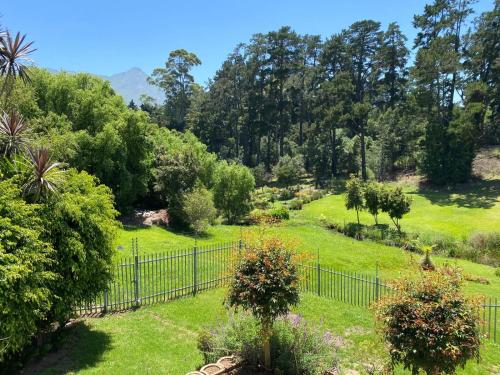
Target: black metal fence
[[147, 279], [151, 278]]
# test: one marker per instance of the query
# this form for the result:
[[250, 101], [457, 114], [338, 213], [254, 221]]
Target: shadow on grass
[[476, 194], [81, 347], [174, 230]]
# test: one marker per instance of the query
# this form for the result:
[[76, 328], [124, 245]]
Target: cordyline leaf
[[12, 133], [45, 175], [14, 56]]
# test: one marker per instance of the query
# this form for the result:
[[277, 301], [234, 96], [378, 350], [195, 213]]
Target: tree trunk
[[334, 152], [301, 130], [363, 154], [266, 333]]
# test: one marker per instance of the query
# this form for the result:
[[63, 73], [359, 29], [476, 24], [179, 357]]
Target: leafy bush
[[429, 324], [262, 203], [298, 348], [485, 247], [199, 209], [316, 194], [80, 224], [260, 175], [296, 204], [271, 216], [289, 169], [25, 275], [233, 189], [285, 194], [182, 163], [280, 213], [266, 283]]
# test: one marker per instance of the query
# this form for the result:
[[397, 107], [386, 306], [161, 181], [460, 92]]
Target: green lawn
[[434, 213], [345, 253], [161, 339]]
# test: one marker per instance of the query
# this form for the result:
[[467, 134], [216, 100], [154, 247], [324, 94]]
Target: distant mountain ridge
[[131, 85]]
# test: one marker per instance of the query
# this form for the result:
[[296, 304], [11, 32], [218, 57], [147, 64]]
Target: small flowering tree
[[265, 282], [429, 325]]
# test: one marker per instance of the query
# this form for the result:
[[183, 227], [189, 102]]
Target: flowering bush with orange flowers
[[429, 324]]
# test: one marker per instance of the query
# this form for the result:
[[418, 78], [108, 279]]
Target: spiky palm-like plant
[[13, 131], [14, 53], [45, 176]]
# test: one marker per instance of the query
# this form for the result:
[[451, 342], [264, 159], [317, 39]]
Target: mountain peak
[[133, 83]]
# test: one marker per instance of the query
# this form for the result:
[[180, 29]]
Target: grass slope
[[345, 253], [161, 339]]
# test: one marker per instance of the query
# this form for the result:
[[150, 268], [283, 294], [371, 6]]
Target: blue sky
[[107, 37]]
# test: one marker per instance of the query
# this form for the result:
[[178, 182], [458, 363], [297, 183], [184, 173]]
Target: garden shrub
[[182, 163], [298, 348], [296, 204], [262, 203], [232, 190], [288, 170], [485, 247], [199, 208], [316, 194], [265, 283], [428, 324], [280, 213], [25, 275], [260, 175], [80, 224], [306, 199], [483, 241], [285, 194], [271, 216]]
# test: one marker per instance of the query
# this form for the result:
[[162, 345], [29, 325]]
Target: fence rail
[[147, 279]]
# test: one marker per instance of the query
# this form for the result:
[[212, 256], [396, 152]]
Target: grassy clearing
[[434, 213], [161, 339], [335, 250]]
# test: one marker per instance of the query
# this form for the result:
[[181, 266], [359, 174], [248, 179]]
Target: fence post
[[319, 277], [377, 283], [195, 268], [105, 301], [135, 250]]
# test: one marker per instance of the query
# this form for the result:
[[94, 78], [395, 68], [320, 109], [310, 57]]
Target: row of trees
[[351, 103], [376, 197]]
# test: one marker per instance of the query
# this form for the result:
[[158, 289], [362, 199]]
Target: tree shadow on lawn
[[174, 230], [81, 347], [476, 194]]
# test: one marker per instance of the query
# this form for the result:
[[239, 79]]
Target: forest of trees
[[358, 102]]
